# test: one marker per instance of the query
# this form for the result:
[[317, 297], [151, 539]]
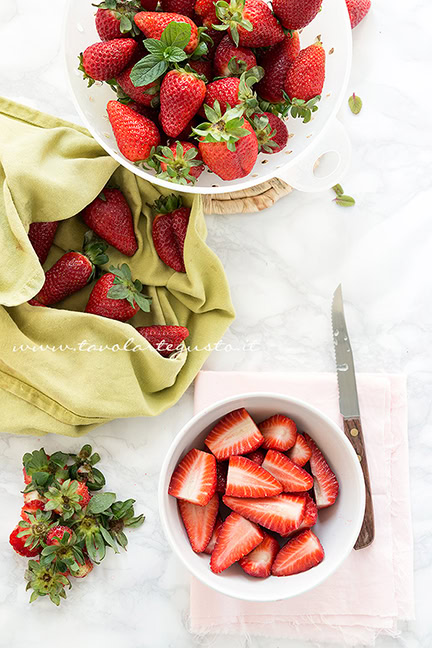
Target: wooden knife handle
[[353, 430]]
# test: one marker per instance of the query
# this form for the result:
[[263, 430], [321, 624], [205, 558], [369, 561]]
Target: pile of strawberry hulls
[[66, 524], [239, 66], [115, 295], [273, 481]]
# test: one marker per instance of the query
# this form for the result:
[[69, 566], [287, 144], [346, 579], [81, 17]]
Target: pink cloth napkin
[[373, 589]]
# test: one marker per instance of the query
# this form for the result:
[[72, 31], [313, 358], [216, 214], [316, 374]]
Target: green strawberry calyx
[[64, 499], [124, 287], [35, 530], [264, 133], [83, 469], [119, 516], [44, 471], [297, 108], [124, 11], [46, 581], [246, 95], [66, 554], [94, 249], [226, 128], [231, 17], [167, 204], [178, 163]]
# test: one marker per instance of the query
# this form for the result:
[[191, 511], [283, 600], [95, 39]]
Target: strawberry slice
[[235, 434], [237, 537], [199, 521], [292, 477], [214, 537], [259, 562], [257, 456], [311, 513], [301, 553], [281, 514], [194, 479], [326, 486], [279, 432], [300, 453], [247, 479]]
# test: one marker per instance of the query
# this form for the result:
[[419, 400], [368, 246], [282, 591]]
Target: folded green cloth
[[50, 170]]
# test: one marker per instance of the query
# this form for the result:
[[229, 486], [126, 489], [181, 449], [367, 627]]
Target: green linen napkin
[[64, 371]]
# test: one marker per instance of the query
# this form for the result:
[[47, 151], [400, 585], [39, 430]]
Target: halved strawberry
[[214, 537], [247, 479], [199, 521], [311, 514], [235, 434], [259, 562], [301, 553], [300, 453], [326, 486], [281, 514], [256, 456], [194, 479], [279, 432], [221, 476], [292, 477], [237, 537]]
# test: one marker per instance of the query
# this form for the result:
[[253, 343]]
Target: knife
[[349, 408]]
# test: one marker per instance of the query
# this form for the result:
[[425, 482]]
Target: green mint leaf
[[345, 201], [125, 24], [154, 46], [101, 502], [177, 34], [174, 54], [338, 190], [147, 70], [355, 103]]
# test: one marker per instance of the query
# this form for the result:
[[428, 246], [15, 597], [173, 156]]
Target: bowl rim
[[163, 493]]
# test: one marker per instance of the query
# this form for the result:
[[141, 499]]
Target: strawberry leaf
[[101, 502]]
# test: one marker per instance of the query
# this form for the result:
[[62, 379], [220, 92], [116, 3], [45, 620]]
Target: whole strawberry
[[276, 62], [154, 23], [180, 162], [204, 67], [165, 339], [169, 230], [103, 61], [72, 271], [250, 23], [41, 237], [114, 18], [306, 75], [146, 95], [271, 132], [183, 7], [18, 543], [110, 217], [230, 60], [135, 134], [206, 10], [181, 96], [296, 14], [357, 10], [231, 91], [116, 296]]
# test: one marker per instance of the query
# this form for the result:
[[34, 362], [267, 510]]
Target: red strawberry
[[271, 132], [259, 561], [33, 499], [311, 513], [214, 537], [107, 25], [149, 5], [247, 479], [57, 533], [165, 339], [296, 14], [244, 58], [279, 432], [153, 24], [203, 66], [169, 230], [145, 95], [326, 486], [225, 91], [276, 62], [84, 569], [34, 302], [301, 553], [18, 544], [110, 218], [357, 10], [235, 434], [41, 237], [305, 77], [135, 134], [114, 19], [194, 478], [117, 296], [240, 14], [221, 474], [181, 96], [292, 477], [237, 537], [199, 522], [300, 453], [103, 61], [257, 456], [206, 10], [183, 7], [281, 514], [180, 162]]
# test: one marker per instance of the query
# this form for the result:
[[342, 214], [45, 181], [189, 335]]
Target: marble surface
[[283, 265]]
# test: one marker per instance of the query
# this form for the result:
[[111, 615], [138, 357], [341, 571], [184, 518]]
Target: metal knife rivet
[[354, 432], [359, 457]]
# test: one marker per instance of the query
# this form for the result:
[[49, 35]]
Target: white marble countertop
[[283, 265]]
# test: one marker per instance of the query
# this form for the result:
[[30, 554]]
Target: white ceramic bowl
[[337, 526], [295, 164]]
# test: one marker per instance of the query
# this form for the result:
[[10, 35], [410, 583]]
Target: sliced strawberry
[[301, 553], [235, 434], [247, 479], [279, 432], [311, 513], [259, 562], [281, 514], [300, 453], [237, 537], [292, 477], [221, 473], [199, 521], [257, 456], [214, 537], [194, 479], [326, 486]]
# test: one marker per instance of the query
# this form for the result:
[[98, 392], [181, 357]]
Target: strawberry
[[165, 339], [300, 453], [169, 230], [103, 61], [117, 296], [301, 553], [292, 477], [296, 14], [180, 162], [305, 76], [181, 96], [57, 533], [41, 236], [83, 568], [237, 537], [311, 513], [206, 10], [276, 62], [221, 475], [114, 18], [250, 23], [271, 132], [259, 561], [279, 432], [146, 95], [72, 271], [183, 7], [33, 499], [34, 302], [326, 486], [247, 479], [357, 10], [154, 23], [230, 60], [18, 543], [203, 67], [225, 91], [257, 456], [110, 217], [235, 434], [149, 5], [27, 477], [194, 478], [214, 536], [281, 514], [199, 522], [135, 134]]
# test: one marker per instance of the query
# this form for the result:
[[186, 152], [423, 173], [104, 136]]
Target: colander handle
[[302, 177]]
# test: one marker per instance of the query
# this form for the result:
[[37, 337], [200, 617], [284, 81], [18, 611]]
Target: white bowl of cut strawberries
[[261, 496]]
